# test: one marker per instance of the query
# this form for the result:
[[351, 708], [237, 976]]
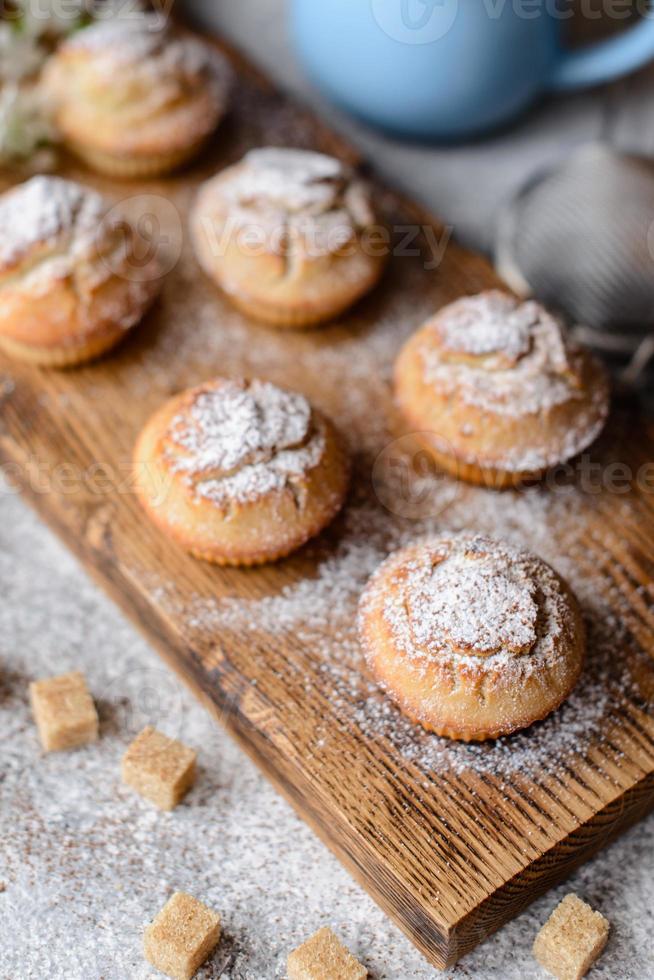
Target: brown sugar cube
[[181, 936], [571, 940], [161, 769], [64, 712], [323, 957]]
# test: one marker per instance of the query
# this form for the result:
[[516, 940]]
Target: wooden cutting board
[[451, 840]]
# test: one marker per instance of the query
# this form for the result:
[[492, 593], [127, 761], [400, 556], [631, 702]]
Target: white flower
[[24, 123]]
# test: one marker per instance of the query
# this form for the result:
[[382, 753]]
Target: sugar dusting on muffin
[[292, 179], [49, 211], [489, 323], [472, 638], [477, 603], [518, 361], [478, 600], [242, 440], [312, 197], [71, 282], [153, 46]]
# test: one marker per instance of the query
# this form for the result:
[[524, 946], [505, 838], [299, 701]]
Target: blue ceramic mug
[[453, 68]]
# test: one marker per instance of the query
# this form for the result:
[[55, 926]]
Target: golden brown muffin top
[[126, 81]]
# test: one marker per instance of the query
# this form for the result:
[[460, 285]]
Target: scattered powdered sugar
[[240, 440], [321, 611], [350, 370], [50, 211]]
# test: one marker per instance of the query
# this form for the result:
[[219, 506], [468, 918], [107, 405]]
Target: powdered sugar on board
[[349, 371], [320, 611]]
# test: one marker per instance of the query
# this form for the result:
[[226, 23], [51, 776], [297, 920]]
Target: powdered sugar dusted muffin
[[471, 637], [499, 391], [240, 472], [289, 235], [70, 287], [135, 97]]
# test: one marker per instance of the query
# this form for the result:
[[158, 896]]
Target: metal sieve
[[580, 237]]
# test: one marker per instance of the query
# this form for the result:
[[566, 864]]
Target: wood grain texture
[[450, 852]]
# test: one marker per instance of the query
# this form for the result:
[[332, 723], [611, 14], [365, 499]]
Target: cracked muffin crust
[[240, 472], [289, 235], [472, 638], [135, 97], [498, 391], [70, 286]]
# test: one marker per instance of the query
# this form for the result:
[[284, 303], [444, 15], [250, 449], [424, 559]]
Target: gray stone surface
[[86, 863]]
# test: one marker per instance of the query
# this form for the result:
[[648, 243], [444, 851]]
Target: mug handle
[[606, 60]]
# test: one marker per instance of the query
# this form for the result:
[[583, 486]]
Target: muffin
[[70, 283], [240, 472], [133, 97], [472, 638], [498, 391], [289, 235]]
